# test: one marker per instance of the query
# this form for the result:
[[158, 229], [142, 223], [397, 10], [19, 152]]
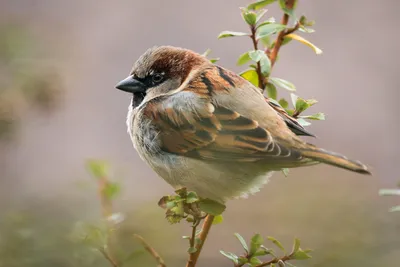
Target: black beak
[[131, 85]]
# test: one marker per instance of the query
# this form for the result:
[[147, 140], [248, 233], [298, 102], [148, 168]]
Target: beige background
[[92, 45]]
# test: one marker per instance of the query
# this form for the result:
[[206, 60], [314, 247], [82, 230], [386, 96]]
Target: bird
[[202, 127]]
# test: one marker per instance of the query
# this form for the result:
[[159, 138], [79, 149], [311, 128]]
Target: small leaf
[[230, 256], [170, 204], [243, 59], [303, 122], [294, 98], [242, 260], [98, 168], [186, 237], [255, 261], [305, 29], [192, 250], [271, 91], [261, 252], [207, 52], [242, 242], [249, 16], [255, 243], [226, 34], [111, 190], [317, 116], [211, 207], [395, 208], [283, 84], [260, 4], [283, 103], [276, 243], [218, 219], [281, 263], [304, 41], [191, 197], [260, 15], [268, 21], [268, 29], [213, 60], [256, 55], [389, 192], [251, 76], [197, 241], [301, 255], [296, 245], [285, 172], [265, 63]]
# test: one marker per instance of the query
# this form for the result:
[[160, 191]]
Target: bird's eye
[[157, 78]]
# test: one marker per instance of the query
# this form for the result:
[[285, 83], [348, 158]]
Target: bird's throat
[[137, 98]]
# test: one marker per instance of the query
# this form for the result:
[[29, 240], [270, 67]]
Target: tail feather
[[335, 159]]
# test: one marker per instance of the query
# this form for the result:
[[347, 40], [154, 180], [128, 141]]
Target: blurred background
[[59, 62]]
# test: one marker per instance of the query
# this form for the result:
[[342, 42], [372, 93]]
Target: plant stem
[[205, 229], [267, 263], [285, 19], [106, 207], [261, 80], [151, 250]]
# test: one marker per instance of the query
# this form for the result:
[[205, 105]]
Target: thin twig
[[274, 52], [261, 80], [151, 250], [284, 258], [108, 257], [107, 211], [205, 229]]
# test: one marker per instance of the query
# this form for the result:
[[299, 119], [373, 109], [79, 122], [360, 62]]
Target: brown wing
[[200, 129]]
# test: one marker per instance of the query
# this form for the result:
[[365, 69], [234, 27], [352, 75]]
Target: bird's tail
[[335, 159]]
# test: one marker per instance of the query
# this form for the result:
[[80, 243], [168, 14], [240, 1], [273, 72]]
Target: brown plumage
[[198, 119]]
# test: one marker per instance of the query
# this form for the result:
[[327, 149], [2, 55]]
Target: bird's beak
[[131, 85]]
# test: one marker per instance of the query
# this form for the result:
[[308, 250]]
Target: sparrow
[[205, 128]]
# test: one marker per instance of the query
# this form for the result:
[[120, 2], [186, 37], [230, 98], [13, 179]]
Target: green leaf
[[250, 75], [296, 245], [226, 34], [287, 10], [276, 243], [261, 252], [285, 172], [271, 91], [304, 41], [213, 60], [255, 243], [281, 263], [242, 242], [211, 207], [242, 260], [192, 250], [301, 255], [218, 219], [170, 204], [186, 237], [197, 241], [317, 116], [303, 122], [230, 256], [283, 103], [389, 192], [111, 190], [255, 261], [268, 21], [98, 168], [260, 56], [256, 55], [260, 4], [243, 59], [249, 16], [294, 98], [283, 84], [268, 29], [207, 52], [191, 197], [305, 29], [265, 63], [395, 208], [260, 15]]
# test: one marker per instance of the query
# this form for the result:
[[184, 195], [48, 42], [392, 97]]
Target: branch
[[151, 250], [276, 260], [261, 79], [193, 257], [274, 53], [106, 207], [108, 257]]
